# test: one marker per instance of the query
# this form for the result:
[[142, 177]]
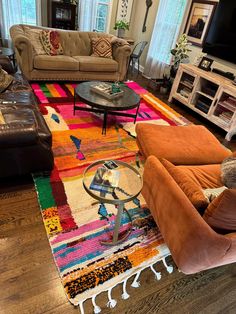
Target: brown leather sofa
[[76, 63], [25, 140], [194, 243]]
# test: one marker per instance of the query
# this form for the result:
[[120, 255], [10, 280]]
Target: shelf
[[203, 94], [227, 106], [221, 123], [209, 92], [181, 98]]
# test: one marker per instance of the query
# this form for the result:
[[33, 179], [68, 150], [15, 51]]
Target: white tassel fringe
[[157, 274], [96, 308], [135, 283], [112, 302], [81, 308], [169, 268], [125, 295]]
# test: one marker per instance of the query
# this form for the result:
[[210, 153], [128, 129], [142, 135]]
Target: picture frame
[[199, 19], [124, 10], [205, 64]]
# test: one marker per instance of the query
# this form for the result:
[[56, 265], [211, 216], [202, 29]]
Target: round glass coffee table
[[99, 104], [129, 187]]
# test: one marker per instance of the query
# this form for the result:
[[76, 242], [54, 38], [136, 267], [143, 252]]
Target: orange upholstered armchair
[[173, 193], [194, 245]]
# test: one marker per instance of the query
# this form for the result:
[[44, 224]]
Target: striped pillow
[[101, 47]]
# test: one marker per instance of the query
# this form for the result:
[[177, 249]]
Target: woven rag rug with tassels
[[74, 223]]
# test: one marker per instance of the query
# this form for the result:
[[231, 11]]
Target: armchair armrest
[[24, 49], [193, 244], [17, 134], [121, 53]]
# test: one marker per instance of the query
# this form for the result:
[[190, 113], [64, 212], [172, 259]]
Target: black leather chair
[[136, 54]]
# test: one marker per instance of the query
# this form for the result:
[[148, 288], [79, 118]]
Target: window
[[165, 33], [94, 15], [18, 12], [28, 12], [102, 13]]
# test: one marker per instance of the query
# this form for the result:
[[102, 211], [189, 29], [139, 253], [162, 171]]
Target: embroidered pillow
[[51, 42], [33, 35], [101, 47]]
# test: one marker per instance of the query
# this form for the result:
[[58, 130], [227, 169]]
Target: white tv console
[[209, 94]]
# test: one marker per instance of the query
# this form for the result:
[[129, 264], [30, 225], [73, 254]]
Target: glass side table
[[129, 187]]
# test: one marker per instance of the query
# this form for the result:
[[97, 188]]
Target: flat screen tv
[[221, 38]]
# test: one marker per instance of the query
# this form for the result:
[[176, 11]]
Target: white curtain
[[87, 11], [15, 12], [164, 36]]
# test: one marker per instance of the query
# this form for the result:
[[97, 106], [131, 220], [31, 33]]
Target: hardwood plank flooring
[[29, 281]]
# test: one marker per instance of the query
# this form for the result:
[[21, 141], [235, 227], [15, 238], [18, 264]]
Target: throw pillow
[[51, 42], [2, 120], [221, 212], [33, 35], [190, 188], [101, 47]]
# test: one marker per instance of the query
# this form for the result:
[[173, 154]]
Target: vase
[[121, 33]]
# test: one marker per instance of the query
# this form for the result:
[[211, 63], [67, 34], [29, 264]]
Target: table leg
[[136, 112], [104, 127], [74, 101], [117, 237], [117, 224]]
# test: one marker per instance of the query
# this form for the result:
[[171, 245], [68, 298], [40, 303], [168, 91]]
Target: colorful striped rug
[[75, 225]]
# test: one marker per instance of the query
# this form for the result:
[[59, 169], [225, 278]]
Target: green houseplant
[[121, 26], [180, 53]]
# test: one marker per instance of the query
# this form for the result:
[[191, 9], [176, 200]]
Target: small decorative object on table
[[107, 90], [205, 64]]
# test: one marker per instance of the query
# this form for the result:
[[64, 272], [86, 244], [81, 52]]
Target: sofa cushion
[[63, 63], [221, 212], [191, 189], [101, 47], [96, 64], [33, 35], [51, 42], [182, 145]]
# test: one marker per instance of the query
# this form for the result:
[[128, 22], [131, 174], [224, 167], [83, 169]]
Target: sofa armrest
[[24, 49], [17, 134], [193, 244], [121, 54]]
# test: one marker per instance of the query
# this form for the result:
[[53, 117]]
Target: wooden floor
[[29, 281]]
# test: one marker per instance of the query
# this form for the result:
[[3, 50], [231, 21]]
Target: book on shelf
[[187, 83], [105, 180], [231, 100], [185, 92], [201, 105], [225, 116], [227, 105]]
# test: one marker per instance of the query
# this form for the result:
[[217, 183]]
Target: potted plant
[[121, 26], [180, 53], [165, 84]]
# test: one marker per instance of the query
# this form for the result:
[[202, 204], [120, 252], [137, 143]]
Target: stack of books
[[226, 116], [202, 105], [106, 90]]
